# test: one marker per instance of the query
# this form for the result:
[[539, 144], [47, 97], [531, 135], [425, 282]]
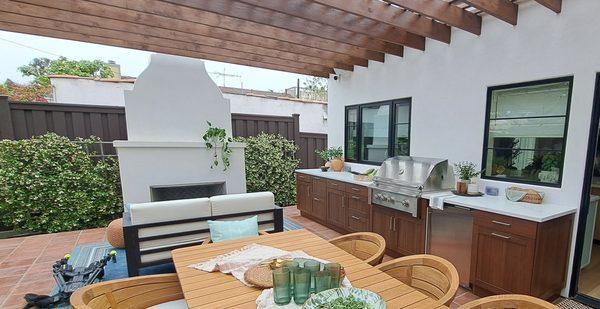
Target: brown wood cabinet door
[[304, 196], [411, 237], [357, 221], [358, 203], [382, 224], [319, 199], [503, 262], [336, 208]]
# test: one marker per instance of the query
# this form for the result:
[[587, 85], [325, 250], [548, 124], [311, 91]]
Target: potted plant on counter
[[465, 170], [333, 157]]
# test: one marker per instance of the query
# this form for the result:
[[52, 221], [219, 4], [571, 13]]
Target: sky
[[19, 49]]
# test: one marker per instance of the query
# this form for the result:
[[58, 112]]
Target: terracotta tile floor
[[25, 262]]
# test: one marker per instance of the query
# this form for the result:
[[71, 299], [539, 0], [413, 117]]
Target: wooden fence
[[24, 120]]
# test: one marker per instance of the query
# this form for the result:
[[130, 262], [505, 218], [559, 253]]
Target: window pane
[[401, 140], [402, 113], [531, 101], [375, 130], [526, 165], [351, 139], [526, 131], [352, 116]]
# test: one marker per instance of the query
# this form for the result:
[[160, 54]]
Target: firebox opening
[[186, 191]]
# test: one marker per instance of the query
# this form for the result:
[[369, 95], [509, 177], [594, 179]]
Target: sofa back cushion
[[227, 230], [170, 210], [240, 203]]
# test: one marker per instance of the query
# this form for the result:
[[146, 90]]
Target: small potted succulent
[[465, 170]]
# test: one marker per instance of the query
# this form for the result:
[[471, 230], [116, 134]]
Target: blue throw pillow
[[226, 230]]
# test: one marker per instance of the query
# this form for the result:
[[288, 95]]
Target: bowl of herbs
[[345, 298]]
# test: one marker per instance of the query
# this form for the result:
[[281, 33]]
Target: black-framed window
[[376, 131], [526, 131]]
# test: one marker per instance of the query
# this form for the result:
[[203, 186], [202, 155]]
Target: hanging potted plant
[[215, 138], [465, 171]]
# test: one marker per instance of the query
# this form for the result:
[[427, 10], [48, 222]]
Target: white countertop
[[500, 205], [340, 176]]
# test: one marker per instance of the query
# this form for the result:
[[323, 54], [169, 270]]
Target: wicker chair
[[508, 301], [138, 292], [430, 274], [369, 247]]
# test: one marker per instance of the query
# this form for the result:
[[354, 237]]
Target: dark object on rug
[[69, 279]]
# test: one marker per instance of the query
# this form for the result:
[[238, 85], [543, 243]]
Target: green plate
[[373, 300]]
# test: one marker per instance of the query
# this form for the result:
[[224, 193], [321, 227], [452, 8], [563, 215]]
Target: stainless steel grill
[[401, 180]]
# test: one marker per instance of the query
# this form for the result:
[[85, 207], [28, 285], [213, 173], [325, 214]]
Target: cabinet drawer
[[358, 203], [332, 184], [303, 177], [357, 190], [506, 224], [358, 221]]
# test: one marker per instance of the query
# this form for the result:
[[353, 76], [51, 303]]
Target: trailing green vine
[[214, 138]]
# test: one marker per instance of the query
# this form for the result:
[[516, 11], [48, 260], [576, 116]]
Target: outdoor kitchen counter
[[339, 176], [500, 205]]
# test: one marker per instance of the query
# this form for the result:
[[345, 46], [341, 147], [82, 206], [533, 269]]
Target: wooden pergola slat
[[554, 5], [395, 16], [220, 21], [501, 9], [149, 47], [264, 16], [186, 27], [172, 38], [444, 12], [309, 10]]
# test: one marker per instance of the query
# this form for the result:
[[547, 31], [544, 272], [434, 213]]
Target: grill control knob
[[405, 203]]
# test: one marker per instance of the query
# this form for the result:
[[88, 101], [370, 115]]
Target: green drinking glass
[[301, 285], [281, 286], [291, 266], [322, 281], [334, 270], [313, 266]]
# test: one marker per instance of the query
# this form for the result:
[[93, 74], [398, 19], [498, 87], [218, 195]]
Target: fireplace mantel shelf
[[139, 144]]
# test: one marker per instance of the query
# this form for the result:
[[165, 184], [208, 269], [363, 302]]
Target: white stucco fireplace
[[167, 113]]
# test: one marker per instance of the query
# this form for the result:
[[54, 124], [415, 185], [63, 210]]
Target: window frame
[[486, 128], [392, 104]]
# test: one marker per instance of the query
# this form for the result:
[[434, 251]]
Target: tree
[[25, 93], [40, 68], [316, 88]]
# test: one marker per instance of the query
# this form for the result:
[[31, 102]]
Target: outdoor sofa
[[152, 230]]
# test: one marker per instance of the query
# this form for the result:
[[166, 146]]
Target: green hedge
[[50, 184], [270, 165]]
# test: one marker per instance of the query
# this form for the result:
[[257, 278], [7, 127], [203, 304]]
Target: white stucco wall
[[448, 84], [88, 91], [313, 116]]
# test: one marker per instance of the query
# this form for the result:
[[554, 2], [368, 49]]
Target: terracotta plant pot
[[337, 164], [462, 186]]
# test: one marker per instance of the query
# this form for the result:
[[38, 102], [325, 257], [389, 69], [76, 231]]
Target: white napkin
[[436, 201]]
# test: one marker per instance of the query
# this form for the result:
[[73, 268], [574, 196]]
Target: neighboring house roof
[[228, 90]]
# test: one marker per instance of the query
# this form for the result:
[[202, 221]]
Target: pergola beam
[[260, 15], [190, 41], [309, 10], [444, 12], [384, 12], [149, 47], [554, 5], [501, 9], [174, 11]]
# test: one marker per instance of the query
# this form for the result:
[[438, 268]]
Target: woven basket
[[517, 194], [260, 276]]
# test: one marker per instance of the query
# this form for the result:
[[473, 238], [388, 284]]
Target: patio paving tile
[[7, 272], [10, 280], [10, 263]]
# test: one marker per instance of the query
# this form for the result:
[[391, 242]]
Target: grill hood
[[415, 173]]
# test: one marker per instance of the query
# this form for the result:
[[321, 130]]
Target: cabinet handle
[[501, 223], [355, 218], [501, 236], [355, 189], [316, 199], [394, 220], [391, 218], [355, 197]]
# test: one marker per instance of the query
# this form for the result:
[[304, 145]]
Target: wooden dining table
[[217, 290]]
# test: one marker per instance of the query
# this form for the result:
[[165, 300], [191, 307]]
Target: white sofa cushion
[[170, 210], [176, 304], [239, 203]]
